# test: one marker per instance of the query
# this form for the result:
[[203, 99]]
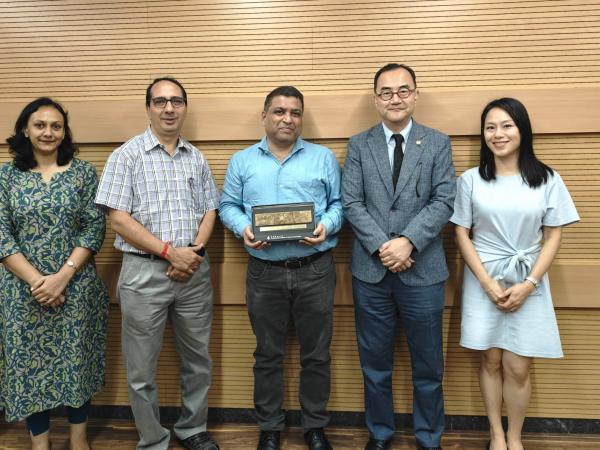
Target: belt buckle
[[293, 263]]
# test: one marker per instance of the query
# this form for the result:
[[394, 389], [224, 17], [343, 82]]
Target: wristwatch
[[72, 265], [536, 283]]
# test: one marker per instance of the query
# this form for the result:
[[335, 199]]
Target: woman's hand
[[49, 290], [495, 292], [516, 296]]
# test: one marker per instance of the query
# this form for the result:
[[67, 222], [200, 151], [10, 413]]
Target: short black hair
[[286, 91], [158, 80], [533, 171], [19, 145], [394, 66]]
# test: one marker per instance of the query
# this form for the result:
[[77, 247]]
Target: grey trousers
[[275, 295], [148, 297]]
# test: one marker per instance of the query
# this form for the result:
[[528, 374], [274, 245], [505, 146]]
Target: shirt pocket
[[310, 190], [193, 195]]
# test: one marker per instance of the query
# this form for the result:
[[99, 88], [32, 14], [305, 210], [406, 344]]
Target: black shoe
[[199, 441], [268, 440], [378, 444], [316, 440], [420, 447]]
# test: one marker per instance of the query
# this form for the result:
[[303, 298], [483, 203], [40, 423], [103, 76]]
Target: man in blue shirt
[[287, 279]]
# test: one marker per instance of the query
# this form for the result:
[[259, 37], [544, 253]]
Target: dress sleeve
[[560, 209], [8, 243], [463, 204], [92, 221]]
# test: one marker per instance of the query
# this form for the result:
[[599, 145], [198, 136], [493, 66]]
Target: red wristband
[[165, 250]]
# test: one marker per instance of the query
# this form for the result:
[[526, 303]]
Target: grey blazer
[[418, 209]]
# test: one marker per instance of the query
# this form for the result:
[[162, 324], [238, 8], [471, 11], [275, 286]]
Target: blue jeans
[[419, 308], [274, 295]]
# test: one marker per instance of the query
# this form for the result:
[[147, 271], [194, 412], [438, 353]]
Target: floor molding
[[356, 419]]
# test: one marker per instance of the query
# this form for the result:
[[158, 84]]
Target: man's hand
[[49, 290], [177, 275], [184, 259], [395, 254], [319, 234], [250, 242]]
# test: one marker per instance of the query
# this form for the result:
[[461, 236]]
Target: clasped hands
[[395, 254], [508, 300], [49, 290], [184, 262]]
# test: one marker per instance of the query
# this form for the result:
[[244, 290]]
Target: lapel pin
[[418, 142]]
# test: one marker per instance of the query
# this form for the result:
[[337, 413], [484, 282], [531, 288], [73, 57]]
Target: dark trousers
[[39, 423], [419, 309], [274, 295]]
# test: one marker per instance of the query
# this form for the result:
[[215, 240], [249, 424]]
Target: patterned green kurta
[[50, 357]]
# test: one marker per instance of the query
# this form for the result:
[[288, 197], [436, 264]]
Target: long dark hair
[[533, 171], [20, 145]]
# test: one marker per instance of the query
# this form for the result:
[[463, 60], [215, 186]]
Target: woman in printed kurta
[[509, 213], [53, 308]]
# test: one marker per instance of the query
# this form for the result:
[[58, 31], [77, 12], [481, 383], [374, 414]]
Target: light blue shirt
[[310, 173], [391, 142]]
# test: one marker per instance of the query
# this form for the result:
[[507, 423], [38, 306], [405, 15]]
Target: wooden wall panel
[[93, 50], [331, 116], [554, 393], [573, 155], [98, 57]]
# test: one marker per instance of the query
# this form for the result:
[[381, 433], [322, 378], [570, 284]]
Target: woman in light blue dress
[[509, 213]]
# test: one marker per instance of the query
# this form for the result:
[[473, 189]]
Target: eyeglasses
[[388, 94], [161, 102]]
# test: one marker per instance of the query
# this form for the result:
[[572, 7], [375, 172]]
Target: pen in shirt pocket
[[192, 185]]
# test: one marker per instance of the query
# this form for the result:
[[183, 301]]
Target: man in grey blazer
[[398, 189]]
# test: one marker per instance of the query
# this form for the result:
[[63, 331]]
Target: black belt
[[146, 255], [293, 263]]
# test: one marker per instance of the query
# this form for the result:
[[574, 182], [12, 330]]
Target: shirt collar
[[404, 132], [151, 142], [264, 145]]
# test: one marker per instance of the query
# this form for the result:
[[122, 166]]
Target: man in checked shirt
[[161, 198]]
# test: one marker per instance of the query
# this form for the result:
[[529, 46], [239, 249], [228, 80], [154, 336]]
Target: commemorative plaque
[[283, 222]]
